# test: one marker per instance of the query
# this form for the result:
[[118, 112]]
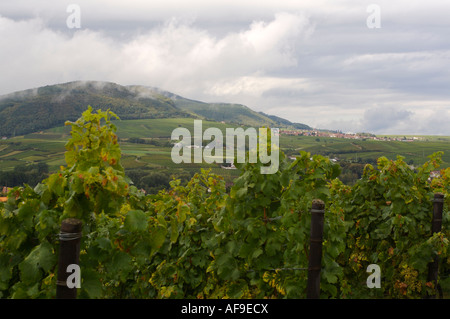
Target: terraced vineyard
[[48, 146]]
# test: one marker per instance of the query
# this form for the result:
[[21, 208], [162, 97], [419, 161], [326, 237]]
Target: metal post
[[69, 253], [315, 249]]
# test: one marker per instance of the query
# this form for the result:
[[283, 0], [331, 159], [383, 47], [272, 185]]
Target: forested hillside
[[33, 110], [50, 106]]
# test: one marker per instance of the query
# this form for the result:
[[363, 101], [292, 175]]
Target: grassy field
[[416, 152], [48, 147]]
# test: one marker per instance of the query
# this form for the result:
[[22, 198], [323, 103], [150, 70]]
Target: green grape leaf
[[136, 220]]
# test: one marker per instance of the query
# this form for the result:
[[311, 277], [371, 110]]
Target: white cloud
[[257, 86], [173, 55]]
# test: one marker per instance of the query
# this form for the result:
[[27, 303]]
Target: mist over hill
[[49, 106]]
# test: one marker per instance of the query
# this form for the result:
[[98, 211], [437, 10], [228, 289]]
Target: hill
[[231, 113], [286, 123], [50, 106]]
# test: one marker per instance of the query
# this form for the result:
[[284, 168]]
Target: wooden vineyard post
[[436, 226], [315, 249], [69, 253]]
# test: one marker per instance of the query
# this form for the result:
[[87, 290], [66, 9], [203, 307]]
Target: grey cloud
[[379, 119], [312, 62]]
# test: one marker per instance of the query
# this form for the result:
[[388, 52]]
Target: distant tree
[[24, 174], [155, 181]]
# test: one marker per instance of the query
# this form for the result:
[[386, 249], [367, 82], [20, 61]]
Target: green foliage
[[94, 180], [388, 215], [265, 229], [197, 241], [93, 184]]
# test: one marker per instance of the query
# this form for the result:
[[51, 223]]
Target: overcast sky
[[313, 62]]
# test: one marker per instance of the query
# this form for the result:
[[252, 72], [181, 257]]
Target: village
[[354, 136]]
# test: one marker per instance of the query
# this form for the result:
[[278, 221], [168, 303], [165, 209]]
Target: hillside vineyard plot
[[198, 241]]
